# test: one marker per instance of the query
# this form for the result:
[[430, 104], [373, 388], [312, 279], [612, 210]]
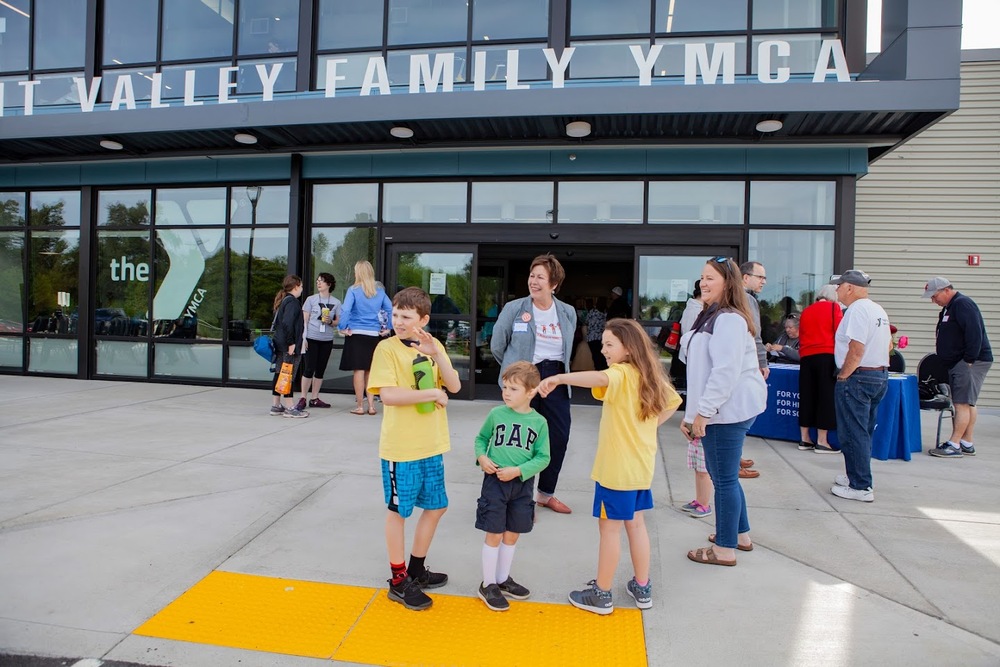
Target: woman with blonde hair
[[364, 320]]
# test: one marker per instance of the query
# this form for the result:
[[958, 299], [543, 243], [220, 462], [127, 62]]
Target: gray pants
[[966, 381]]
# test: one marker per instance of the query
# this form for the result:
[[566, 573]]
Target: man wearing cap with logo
[[963, 347], [861, 352]]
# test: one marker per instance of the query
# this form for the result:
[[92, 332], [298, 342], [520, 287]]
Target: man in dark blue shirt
[[964, 348]]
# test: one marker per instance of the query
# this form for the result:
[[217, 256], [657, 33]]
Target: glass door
[[445, 272]]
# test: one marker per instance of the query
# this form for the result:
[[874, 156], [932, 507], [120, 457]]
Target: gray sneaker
[[592, 599], [864, 495], [512, 589], [493, 598], [295, 413], [968, 451], [842, 480], [277, 410], [946, 450], [643, 595]]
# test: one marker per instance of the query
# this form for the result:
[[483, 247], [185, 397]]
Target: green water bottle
[[423, 377]]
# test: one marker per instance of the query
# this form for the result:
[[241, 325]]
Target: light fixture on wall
[[244, 138], [401, 132], [769, 125], [578, 129], [111, 145]]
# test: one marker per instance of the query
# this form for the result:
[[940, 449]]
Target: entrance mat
[[361, 625]]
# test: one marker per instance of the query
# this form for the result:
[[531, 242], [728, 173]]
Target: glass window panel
[[798, 263], [130, 30], [335, 250], [696, 202], [123, 208], [142, 84], [606, 202], [194, 29], [531, 63], [59, 36], [14, 45], [60, 209], [607, 59], [600, 17], [792, 203], [424, 202], [353, 70], [700, 15], [512, 202], [123, 358], [347, 24], [794, 14], [671, 60], [248, 81], [252, 288], [12, 209], [206, 80], [665, 283], [121, 300], [184, 360], [348, 202], [509, 19], [191, 206], [11, 351], [245, 364], [54, 265], [272, 206], [189, 273], [12, 278], [268, 26], [398, 65], [13, 94], [803, 52], [428, 21], [53, 355], [56, 89]]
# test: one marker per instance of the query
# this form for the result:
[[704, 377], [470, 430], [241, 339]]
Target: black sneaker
[[493, 598], [408, 594], [967, 450], [512, 589], [431, 579]]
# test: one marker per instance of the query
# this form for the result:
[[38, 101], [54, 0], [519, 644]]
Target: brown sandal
[[357, 411], [711, 538], [708, 557]]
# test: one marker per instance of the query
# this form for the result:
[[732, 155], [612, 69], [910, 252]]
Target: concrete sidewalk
[[118, 497]]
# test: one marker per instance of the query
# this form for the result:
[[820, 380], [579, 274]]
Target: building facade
[[163, 169]]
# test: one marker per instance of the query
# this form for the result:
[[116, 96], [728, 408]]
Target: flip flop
[[371, 411], [711, 538], [357, 411], [708, 557]]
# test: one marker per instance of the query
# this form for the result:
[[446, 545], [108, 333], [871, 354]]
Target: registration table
[[897, 425]]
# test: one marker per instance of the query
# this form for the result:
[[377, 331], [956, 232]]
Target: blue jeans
[[856, 400], [723, 444]]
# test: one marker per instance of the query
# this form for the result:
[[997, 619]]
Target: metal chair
[[931, 369]]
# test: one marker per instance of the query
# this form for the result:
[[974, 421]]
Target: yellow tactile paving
[[362, 625]]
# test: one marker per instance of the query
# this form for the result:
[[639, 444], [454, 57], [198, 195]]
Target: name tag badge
[[520, 327], [944, 319]]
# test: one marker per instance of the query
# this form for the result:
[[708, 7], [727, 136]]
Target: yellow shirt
[[407, 435], [626, 446]]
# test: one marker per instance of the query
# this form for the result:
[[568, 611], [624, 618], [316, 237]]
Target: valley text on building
[[164, 163]]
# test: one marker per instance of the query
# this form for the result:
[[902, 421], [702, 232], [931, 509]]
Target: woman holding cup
[[320, 314]]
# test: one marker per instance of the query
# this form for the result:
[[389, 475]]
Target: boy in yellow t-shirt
[[413, 439]]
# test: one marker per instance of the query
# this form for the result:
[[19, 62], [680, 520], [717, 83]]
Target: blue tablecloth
[[897, 425]]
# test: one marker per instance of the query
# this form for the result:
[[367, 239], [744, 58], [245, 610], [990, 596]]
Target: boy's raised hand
[[425, 343]]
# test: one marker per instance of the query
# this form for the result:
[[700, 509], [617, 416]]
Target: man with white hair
[[962, 345], [861, 353]]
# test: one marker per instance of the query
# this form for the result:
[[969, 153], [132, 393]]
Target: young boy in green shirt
[[511, 448]]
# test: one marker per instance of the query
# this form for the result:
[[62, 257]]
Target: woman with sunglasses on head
[[725, 393]]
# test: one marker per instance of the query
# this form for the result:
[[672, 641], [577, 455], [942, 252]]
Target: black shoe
[[408, 594], [512, 589], [431, 579], [493, 598]]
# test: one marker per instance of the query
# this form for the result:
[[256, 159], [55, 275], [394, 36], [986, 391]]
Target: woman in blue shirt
[[364, 320]]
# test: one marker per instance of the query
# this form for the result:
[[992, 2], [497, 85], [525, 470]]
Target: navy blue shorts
[[506, 506], [409, 484], [620, 505]]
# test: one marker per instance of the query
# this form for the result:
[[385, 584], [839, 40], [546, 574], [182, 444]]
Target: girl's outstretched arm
[[578, 379]]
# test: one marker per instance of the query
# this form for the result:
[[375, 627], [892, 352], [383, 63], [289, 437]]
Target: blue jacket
[[360, 313], [961, 332], [508, 346]]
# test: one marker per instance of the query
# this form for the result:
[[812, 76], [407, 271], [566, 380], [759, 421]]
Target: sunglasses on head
[[721, 260]]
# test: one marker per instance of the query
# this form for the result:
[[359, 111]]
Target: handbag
[[284, 384], [263, 344]]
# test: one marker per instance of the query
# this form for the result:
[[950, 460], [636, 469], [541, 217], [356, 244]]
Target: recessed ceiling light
[[401, 132], [111, 145], [245, 138], [578, 129], [771, 125]]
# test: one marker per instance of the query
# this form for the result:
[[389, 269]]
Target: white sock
[[490, 564], [965, 443], [952, 444], [504, 561]]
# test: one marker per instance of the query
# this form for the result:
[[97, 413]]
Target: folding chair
[[932, 369]]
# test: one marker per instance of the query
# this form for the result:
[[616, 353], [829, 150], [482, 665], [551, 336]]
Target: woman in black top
[[289, 330]]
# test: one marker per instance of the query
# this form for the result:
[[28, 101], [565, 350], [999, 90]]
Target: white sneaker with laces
[[842, 480], [864, 495]]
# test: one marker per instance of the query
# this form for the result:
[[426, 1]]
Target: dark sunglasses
[[721, 260]]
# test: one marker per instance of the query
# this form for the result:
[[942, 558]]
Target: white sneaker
[[842, 480], [865, 496]]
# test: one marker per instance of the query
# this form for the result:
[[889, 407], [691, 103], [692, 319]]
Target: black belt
[[548, 362], [872, 368]]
